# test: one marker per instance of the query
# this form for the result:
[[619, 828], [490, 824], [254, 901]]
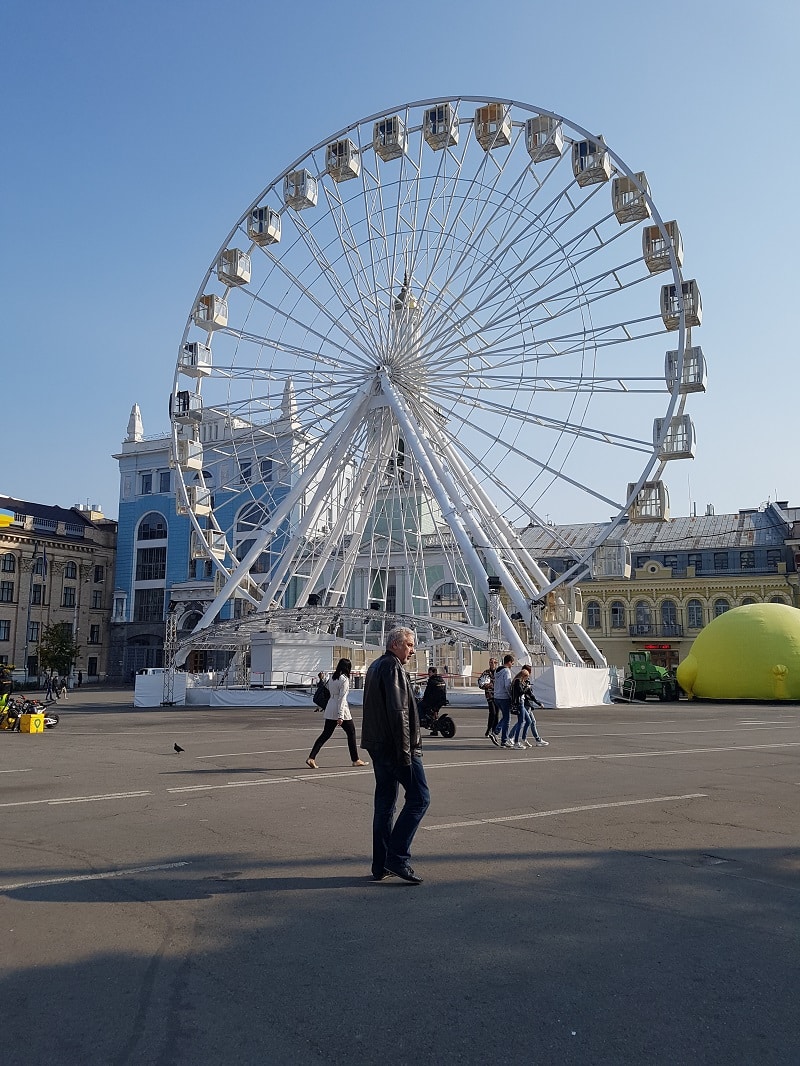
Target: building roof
[[747, 529], [70, 515]]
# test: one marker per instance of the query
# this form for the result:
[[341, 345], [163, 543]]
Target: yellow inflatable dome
[[749, 653]]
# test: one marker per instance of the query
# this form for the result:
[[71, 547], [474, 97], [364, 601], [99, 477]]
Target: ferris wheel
[[445, 324]]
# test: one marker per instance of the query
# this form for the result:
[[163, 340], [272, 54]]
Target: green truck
[[646, 679]]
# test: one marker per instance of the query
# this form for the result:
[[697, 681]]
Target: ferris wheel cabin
[[673, 302], [212, 541], [187, 407], [389, 138], [440, 127], [693, 374], [651, 503], [300, 190], [591, 163], [493, 126], [342, 160], [199, 501], [195, 360], [628, 198], [679, 441], [189, 451], [612, 559], [234, 267], [264, 226], [211, 312], [544, 138], [656, 247]]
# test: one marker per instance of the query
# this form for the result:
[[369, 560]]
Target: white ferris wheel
[[440, 327]]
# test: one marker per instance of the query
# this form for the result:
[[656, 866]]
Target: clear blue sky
[[135, 135]]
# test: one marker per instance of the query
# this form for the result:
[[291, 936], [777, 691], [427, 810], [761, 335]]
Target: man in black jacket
[[391, 734]]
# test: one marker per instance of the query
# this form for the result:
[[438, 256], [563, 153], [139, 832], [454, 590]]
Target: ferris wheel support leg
[[332, 456], [343, 428], [446, 492], [350, 505], [597, 656], [502, 529], [564, 642]]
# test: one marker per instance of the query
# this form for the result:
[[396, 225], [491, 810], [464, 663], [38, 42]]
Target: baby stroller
[[430, 706]]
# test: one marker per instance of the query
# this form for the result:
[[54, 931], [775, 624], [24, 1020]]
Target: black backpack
[[321, 696]]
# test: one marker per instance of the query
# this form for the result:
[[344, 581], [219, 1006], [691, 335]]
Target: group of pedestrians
[[506, 694], [55, 688]]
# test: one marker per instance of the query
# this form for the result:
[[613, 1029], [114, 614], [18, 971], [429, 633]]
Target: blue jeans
[[525, 722], [392, 844], [503, 711]]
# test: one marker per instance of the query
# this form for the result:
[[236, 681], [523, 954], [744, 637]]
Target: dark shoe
[[404, 871], [494, 740], [382, 875]]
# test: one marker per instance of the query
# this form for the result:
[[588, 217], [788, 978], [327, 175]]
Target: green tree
[[57, 648]]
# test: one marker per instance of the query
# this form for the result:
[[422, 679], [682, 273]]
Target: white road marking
[[274, 780], [558, 736], [563, 810], [246, 754], [25, 771], [93, 877], [504, 759], [76, 799], [234, 784], [515, 758]]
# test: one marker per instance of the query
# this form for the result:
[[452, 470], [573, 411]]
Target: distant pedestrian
[[502, 697], [486, 682], [48, 690], [524, 700], [62, 687], [80, 678], [337, 712]]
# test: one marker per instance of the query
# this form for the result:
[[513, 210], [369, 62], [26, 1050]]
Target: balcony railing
[[653, 629]]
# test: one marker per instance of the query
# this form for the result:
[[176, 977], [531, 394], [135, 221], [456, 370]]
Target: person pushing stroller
[[433, 698]]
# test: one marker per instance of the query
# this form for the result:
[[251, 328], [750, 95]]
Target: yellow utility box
[[31, 723]]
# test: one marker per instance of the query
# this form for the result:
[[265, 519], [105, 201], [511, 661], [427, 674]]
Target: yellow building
[[56, 566], [684, 572]]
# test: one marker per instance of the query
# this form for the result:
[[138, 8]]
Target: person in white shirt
[[337, 712]]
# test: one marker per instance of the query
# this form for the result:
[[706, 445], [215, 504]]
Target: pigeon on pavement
[[177, 747]]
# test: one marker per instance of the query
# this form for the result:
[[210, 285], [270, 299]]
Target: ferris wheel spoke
[[498, 249], [358, 313], [319, 306], [533, 418], [518, 498]]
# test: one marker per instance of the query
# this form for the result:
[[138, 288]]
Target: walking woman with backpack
[[337, 712]]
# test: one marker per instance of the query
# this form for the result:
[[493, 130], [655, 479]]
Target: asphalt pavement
[[628, 895]]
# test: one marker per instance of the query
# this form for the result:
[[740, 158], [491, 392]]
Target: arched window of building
[[152, 527], [618, 615], [747, 600], [694, 614], [721, 606], [9, 563], [70, 571], [669, 614], [777, 599], [644, 617], [593, 615]]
